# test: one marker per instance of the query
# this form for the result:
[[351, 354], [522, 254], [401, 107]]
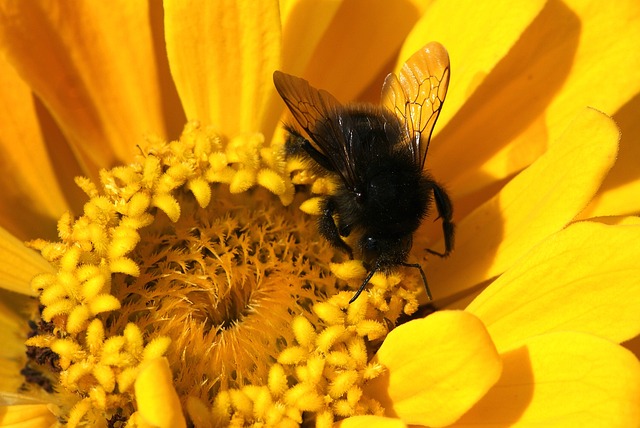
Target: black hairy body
[[377, 158], [390, 196]]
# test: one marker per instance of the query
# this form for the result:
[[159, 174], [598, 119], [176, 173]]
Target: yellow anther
[[52, 294], [312, 206], [342, 382], [95, 336], [64, 225], [201, 190], [78, 319], [134, 340], [168, 204], [93, 286], [270, 180], [241, 402], [352, 269], [123, 240], [323, 186], [67, 348], [70, 259], [124, 265], [372, 329], [358, 351], [277, 380], [329, 336], [243, 180], [303, 330], [292, 355], [329, 313], [138, 204], [156, 348], [104, 303], [152, 169], [60, 307], [105, 377], [304, 397]]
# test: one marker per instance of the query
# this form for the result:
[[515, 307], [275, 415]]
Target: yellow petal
[[477, 49], [303, 25], [574, 54], [562, 380], [158, 402], [371, 421], [222, 56], [362, 38], [620, 190], [30, 190], [585, 278], [18, 264], [538, 202], [475, 45], [13, 320], [438, 367], [93, 67], [26, 416]]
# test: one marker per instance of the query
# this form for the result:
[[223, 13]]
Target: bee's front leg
[[328, 229]]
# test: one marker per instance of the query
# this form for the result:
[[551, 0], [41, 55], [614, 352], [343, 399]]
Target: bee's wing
[[417, 94], [322, 117]]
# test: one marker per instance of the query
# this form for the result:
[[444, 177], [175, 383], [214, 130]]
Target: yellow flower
[[183, 284]]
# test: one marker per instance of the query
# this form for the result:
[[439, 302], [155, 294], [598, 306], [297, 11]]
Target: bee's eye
[[370, 243]]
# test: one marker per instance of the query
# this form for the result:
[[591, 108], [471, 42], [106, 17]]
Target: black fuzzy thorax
[[392, 193]]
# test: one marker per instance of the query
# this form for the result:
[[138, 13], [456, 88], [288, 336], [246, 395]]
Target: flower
[[168, 298]]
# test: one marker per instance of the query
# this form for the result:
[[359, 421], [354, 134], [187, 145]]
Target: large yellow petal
[[363, 38], [30, 188], [585, 278], [562, 380], [574, 54], [537, 203], [369, 421], [14, 309], [26, 416], [474, 42], [437, 368], [158, 402], [93, 66], [18, 264], [620, 190], [303, 25], [222, 56]]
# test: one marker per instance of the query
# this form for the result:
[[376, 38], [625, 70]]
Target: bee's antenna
[[424, 277], [365, 282]]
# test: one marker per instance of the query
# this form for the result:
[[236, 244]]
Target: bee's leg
[[328, 229], [344, 229], [445, 212], [424, 277], [365, 282], [297, 145]]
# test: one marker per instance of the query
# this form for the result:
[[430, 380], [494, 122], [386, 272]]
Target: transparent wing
[[323, 118], [416, 95]]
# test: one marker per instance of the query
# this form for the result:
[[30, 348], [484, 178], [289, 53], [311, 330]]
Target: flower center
[[222, 283], [189, 255]]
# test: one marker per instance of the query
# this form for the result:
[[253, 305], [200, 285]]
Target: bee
[[377, 153]]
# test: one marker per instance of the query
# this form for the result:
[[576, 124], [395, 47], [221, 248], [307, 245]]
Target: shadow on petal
[[507, 401], [504, 116]]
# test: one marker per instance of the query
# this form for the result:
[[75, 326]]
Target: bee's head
[[384, 251]]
